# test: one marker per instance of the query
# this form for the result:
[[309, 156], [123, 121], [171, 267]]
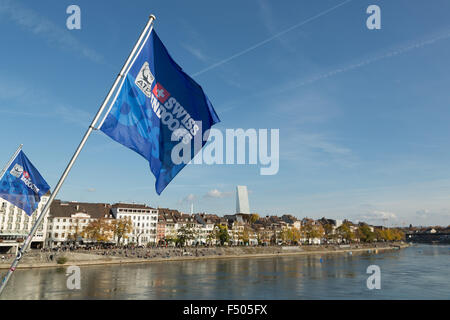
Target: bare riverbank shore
[[36, 259]]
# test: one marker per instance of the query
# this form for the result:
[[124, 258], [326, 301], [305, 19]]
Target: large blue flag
[[22, 185], [157, 108]]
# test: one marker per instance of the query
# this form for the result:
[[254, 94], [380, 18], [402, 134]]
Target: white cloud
[[377, 216], [423, 213], [216, 194], [190, 198]]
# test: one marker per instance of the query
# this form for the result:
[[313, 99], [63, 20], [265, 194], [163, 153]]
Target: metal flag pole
[[74, 157], [10, 161]]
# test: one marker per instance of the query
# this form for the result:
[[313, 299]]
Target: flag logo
[[17, 171], [145, 79], [26, 175], [24, 185], [161, 93]]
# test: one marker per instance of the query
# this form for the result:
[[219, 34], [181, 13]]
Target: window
[[56, 235], [62, 235]]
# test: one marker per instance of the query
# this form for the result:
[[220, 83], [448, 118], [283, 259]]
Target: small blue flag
[[22, 185], [157, 102]]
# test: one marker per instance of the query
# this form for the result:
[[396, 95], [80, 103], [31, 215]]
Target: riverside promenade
[[51, 259]]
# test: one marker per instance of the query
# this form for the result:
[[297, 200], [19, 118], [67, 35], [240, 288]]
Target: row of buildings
[[149, 226]]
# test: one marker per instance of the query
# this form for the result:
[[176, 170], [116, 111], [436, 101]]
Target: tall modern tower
[[242, 205]]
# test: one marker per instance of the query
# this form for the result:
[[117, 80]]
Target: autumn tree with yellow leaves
[[121, 228], [99, 230]]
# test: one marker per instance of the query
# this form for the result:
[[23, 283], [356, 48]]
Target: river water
[[418, 272]]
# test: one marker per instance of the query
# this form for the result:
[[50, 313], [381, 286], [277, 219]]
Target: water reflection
[[415, 273]]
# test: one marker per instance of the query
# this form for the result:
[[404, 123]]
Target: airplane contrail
[[356, 65], [259, 44], [366, 62]]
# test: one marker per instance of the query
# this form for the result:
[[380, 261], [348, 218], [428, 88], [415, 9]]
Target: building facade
[[144, 220], [15, 224], [68, 220]]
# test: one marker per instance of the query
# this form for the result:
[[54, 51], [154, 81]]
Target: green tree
[[365, 234], [312, 231], [222, 234], [380, 235], [328, 231], [185, 234], [345, 232]]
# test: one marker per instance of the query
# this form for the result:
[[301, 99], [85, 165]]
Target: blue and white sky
[[363, 114]]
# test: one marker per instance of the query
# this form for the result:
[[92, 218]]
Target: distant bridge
[[428, 237]]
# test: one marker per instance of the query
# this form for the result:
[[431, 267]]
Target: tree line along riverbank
[[41, 259]]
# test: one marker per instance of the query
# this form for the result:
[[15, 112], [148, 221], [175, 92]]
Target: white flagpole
[[10, 161], [74, 158]]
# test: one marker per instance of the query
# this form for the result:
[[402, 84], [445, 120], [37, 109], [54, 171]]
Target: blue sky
[[363, 114]]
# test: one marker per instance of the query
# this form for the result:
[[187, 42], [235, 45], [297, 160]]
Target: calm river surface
[[418, 272]]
